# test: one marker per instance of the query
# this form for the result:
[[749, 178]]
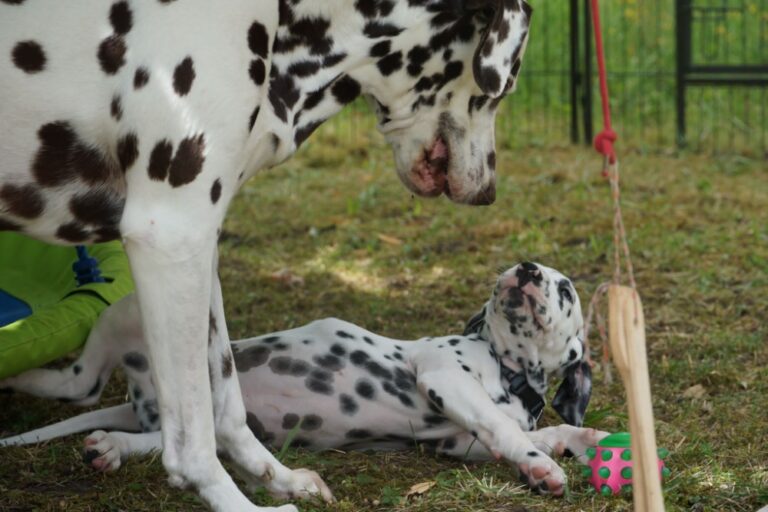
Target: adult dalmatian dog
[[140, 119], [333, 384]]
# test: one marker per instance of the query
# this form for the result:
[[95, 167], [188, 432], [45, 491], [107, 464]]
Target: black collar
[[518, 386]]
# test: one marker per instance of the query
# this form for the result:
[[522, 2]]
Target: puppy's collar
[[518, 386]]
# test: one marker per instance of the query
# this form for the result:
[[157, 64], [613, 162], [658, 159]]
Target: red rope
[[605, 139]]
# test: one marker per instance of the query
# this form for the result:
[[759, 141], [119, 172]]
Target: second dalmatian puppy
[[336, 385]]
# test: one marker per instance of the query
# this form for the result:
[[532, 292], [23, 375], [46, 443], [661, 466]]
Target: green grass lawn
[[368, 252]]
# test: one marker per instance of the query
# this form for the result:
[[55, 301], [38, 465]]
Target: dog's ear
[[500, 52], [573, 395], [476, 323]]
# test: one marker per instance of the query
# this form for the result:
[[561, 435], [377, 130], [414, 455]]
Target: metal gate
[[704, 59], [690, 72]]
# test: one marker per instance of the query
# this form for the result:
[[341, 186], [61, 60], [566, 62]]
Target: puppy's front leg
[[567, 440], [464, 401]]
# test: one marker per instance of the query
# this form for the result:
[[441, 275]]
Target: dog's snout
[[528, 272], [528, 269], [485, 197]]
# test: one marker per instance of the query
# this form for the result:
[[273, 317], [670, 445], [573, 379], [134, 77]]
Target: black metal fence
[[684, 72], [690, 73]]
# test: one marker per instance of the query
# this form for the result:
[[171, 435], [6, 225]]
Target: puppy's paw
[[541, 473], [101, 451], [301, 483], [576, 442]]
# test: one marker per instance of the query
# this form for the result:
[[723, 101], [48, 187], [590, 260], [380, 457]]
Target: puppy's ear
[[476, 323], [573, 395], [500, 52]]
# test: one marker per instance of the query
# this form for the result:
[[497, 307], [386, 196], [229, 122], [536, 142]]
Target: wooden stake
[[627, 340]]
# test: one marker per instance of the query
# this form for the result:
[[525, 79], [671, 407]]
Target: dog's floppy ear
[[476, 323], [500, 52], [573, 395]]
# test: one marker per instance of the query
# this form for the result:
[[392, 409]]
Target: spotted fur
[[139, 120], [353, 389]]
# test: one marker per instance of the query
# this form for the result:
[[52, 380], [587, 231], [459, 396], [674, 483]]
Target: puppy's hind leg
[[117, 417], [106, 451], [116, 332]]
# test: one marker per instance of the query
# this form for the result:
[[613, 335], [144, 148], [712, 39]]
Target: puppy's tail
[[119, 417]]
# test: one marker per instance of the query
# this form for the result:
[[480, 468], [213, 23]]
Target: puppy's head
[[535, 322]]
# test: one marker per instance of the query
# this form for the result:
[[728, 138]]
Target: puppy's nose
[[528, 272]]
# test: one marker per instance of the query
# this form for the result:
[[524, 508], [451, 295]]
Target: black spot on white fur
[[251, 357], [347, 404], [365, 389], [183, 76], [29, 56], [136, 361]]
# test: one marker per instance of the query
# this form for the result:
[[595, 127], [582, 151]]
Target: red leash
[[605, 139]]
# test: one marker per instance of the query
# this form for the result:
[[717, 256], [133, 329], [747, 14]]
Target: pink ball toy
[[610, 464]]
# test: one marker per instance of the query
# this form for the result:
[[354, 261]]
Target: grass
[[337, 217]]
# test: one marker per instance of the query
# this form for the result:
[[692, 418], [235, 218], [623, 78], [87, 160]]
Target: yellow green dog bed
[[45, 312]]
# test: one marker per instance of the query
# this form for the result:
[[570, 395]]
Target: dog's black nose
[[528, 272], [485, 197]]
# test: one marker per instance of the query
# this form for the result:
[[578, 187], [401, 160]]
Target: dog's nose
[[528, 272], [485, 197]]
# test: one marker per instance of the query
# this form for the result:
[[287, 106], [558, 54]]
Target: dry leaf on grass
[[286, 276], [696, 391], [419, 489], [389, 239]]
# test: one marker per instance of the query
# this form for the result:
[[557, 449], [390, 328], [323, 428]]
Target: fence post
[[587, 89], [683, 61], [575, 75]]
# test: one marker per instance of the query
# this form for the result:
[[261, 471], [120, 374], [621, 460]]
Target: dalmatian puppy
[[333, 384], [140, 119]]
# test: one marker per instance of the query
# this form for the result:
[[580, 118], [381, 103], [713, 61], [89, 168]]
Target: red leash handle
[[605, 139]]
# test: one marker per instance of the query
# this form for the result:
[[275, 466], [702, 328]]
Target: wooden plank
[[627, 340]]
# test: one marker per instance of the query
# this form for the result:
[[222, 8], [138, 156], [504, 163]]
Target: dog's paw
[[577, 441], [300, 483], [101, 451], [541, 473]]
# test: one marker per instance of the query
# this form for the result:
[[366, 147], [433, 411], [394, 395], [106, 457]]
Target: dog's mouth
[[434, 172], [430, 173]]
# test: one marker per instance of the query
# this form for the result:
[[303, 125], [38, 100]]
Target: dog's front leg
[[255, 463], [170, 249], [464, 401]]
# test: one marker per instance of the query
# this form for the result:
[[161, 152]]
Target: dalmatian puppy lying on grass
[[332, 384]]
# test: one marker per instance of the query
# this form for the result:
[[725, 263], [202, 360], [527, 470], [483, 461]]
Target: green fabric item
[[63, 313]]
